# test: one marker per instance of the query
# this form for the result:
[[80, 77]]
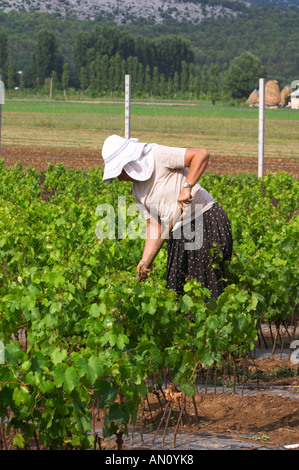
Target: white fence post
[[128, 106], [261, 127]]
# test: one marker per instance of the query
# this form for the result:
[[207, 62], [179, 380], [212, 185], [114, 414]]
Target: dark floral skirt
[[205, 264]]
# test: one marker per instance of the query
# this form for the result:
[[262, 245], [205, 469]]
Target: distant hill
[[126, 11], [269, 33]]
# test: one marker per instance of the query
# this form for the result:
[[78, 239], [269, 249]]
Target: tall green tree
[[197, 81], [118, 78], [155, 88], [3, 50], [46, 53], [184, 77], [205, 79], [148, 80], [191, 80], [92, 75], [243, 75], [132, 68], [162, 85], [83, 79], [214, 82], [169, 87], [145, 51], [170, 51], [103, 72], [115, 70], [11, 73], [53, 82], [223, 84], [176, 83], [140, 79], [81, 46]]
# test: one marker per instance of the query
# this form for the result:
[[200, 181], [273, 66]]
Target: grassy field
[[223, 129]]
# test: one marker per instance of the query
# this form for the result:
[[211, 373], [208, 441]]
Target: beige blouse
[[157, 197]]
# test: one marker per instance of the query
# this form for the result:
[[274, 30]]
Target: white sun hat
[[134, 157]]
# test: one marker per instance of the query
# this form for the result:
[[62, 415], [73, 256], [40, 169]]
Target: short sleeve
[[171, 157], [143, 211], [141, 207]]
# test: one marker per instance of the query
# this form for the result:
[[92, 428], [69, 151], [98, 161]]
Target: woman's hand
[[142, 272], [185, 197]]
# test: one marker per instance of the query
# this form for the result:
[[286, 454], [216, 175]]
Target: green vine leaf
[[18, 441]]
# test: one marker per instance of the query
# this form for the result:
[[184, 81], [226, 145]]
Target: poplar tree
[[169, 87], [83, 79], [197, 81], [224, 89], [111, 74], [92, 74], [81, 47], [214, 81], [3, 49], [148, 80], [205, 79], [162, 84], [45, 54], [176, 83], [134, 73], [103, 72], [140, 79], [54, 82], [184, 77], [11, 75], [191, 80], [155, 81], [123, 72]]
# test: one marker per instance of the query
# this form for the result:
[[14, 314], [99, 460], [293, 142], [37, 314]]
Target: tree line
[[162, 67], [101, 58]]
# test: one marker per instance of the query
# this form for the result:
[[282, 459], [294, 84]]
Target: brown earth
[[270, 420], [83, 158]]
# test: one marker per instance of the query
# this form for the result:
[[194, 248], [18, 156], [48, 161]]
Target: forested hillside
[[269, 33], [40, 43], [275, 3]]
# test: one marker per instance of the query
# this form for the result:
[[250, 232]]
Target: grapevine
[[76, 324]]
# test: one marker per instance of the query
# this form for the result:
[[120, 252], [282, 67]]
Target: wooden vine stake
[[173, 397]]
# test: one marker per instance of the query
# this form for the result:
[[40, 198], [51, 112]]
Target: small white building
[[295, 99]]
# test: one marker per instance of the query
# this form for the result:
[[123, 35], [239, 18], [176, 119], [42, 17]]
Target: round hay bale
[[284, 93], [272, 94], [253, 99]]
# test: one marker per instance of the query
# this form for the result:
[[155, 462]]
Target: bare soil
[[269, 419], [84, 158]]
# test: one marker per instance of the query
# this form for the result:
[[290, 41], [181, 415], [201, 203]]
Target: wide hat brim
[[117, 152]]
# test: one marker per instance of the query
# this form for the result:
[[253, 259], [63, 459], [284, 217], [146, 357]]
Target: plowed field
[[83, 158]]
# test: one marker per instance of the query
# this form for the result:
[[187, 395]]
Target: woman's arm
[[153, 233], [196, 160]]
